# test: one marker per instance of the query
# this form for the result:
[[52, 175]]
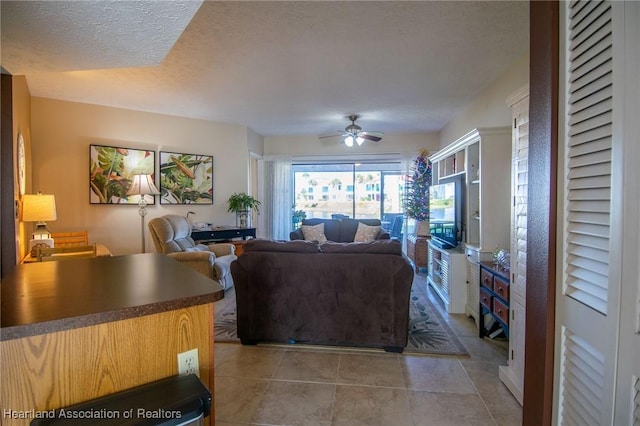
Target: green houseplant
[[241, 204]]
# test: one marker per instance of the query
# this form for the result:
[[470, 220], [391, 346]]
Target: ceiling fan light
[[359, 140], [348, 141]]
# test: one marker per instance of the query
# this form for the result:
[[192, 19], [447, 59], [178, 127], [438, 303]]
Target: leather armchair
[[171, 235]]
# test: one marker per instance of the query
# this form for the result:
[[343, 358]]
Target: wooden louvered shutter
[[586, 313], [589, 154], [598, 307]]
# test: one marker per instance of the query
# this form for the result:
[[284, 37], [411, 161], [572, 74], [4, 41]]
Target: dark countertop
[[46, 297]]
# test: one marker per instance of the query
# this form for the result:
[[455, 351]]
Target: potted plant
[[241, 204], [416, 203], [297, 217]]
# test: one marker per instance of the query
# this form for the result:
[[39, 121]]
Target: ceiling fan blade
[[328, 136], [370, 137]]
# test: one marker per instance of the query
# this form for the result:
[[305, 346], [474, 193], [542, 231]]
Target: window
[[350, 189]]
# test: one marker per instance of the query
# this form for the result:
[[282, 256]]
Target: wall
[[255, 142], [408, 144], [62, 132], [21, 125], [489, 109]]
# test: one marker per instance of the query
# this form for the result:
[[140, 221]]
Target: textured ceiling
[[277, 67]]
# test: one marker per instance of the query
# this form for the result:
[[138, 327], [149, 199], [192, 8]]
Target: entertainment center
[[473, 220]]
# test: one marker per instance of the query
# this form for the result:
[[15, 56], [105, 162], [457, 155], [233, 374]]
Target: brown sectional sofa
[[351, 294], [339, 230]]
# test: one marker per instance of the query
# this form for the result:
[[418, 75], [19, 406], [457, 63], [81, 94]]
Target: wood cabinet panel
[[58, 369], [486, 299], [486, 279], [501, 310], [501, 288]]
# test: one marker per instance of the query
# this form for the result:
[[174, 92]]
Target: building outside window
[[351, 189]]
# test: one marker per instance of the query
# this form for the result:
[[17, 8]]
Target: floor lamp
[[142, 185]]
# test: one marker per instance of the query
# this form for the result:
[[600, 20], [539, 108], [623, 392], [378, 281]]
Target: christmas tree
[[416, 204]]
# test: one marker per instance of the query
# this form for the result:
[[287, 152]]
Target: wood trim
[[541, 215], [7, 218]]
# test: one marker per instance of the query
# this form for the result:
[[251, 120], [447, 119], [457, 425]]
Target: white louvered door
[[594, 139], [512, 375], [627, 408]]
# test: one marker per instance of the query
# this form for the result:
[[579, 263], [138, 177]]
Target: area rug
[[429, 333]]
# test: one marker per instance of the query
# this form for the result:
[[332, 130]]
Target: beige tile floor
[[293, 385]]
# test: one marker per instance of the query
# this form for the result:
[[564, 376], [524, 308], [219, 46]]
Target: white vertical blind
[[276, 207]]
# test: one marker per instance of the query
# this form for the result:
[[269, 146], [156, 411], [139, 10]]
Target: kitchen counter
[[46, 297], [79, 329]]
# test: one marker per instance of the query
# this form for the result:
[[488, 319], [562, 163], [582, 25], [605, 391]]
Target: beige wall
[[408, 144], [62, 132], [488, 109]]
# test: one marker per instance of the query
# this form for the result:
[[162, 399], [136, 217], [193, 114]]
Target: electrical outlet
[[188, 362]]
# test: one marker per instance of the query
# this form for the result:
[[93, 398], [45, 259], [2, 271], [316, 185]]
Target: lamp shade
[[142, 185], [38, 208]]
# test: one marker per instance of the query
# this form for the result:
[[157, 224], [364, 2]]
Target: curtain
[[277, 198]]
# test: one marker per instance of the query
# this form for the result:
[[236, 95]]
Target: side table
[[221, 233], [417, 251], [239, 244]]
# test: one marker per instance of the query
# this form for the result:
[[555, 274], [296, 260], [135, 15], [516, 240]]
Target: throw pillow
[[314, 232], [366, 233]]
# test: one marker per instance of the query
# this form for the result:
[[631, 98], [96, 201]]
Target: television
[[445, 213]]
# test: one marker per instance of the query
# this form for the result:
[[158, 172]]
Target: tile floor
[[282, 385]]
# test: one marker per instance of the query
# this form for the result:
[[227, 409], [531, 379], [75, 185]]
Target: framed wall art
[[111, 171], [186, 178]]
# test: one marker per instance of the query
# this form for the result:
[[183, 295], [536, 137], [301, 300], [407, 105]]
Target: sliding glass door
[[354, 190], [392, 211]]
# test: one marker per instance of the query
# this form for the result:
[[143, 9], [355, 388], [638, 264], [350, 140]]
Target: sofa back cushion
[[371, 247], [171, 233], [296, 246]]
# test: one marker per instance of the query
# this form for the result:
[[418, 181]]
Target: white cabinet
[[483, 159], [512, 375], [473, 283], [447, 276]]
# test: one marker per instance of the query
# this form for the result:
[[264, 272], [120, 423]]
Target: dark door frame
[[541, 215], [7, 219]]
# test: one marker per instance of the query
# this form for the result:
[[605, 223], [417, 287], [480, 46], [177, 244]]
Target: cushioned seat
[[340, 230], [172, 236], [352, 294]]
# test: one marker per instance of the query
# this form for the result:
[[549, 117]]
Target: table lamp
[[142, 185], [39, 208]]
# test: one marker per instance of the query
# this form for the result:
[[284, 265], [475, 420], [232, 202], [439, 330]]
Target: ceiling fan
[[354, 134]]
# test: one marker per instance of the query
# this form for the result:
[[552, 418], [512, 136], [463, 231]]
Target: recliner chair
[[172, 236]]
